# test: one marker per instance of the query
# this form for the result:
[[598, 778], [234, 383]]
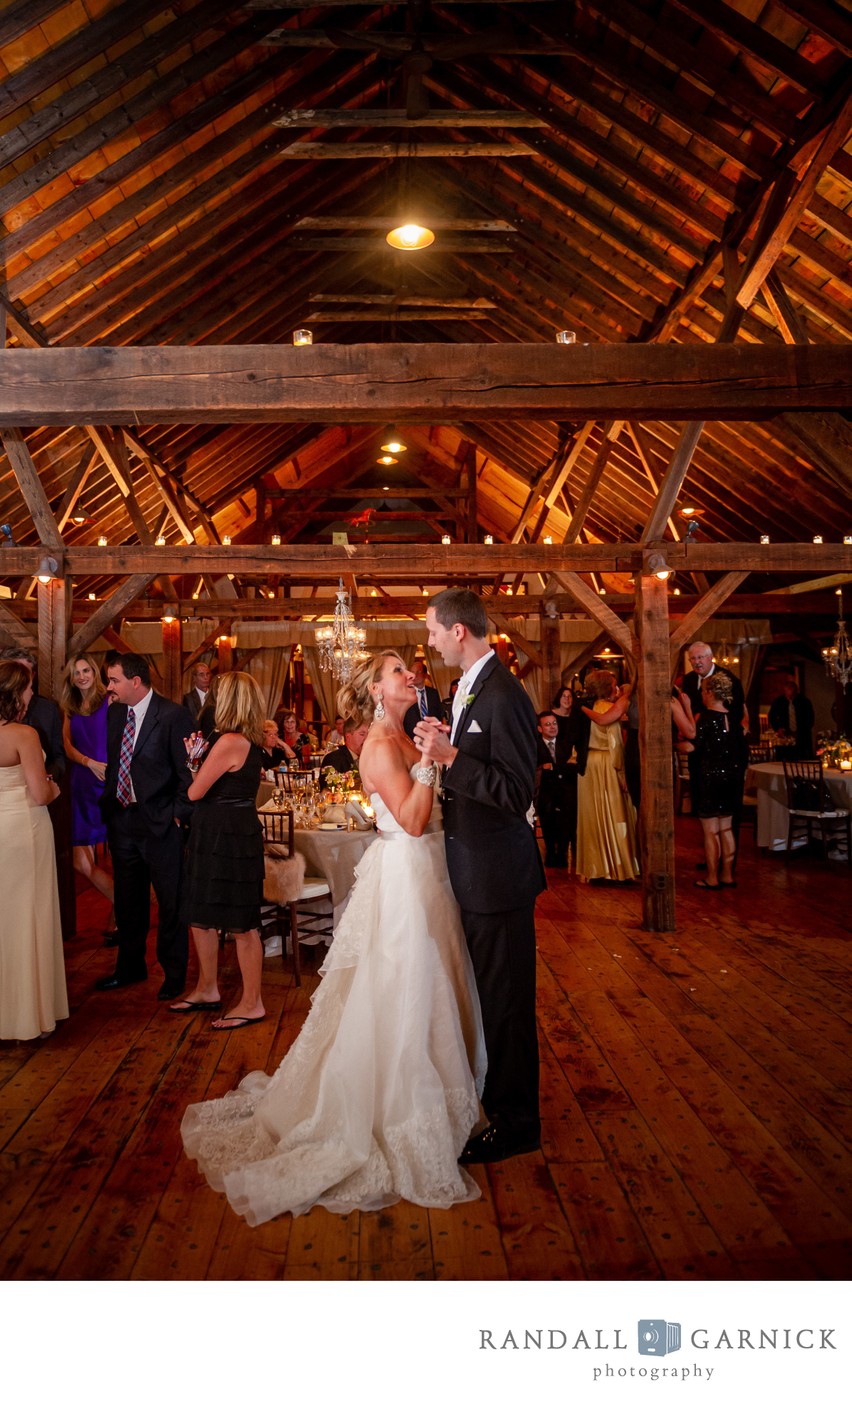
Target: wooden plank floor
[[696, 1102]]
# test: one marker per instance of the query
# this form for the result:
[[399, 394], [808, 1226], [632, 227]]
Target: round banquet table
[[772, 813]]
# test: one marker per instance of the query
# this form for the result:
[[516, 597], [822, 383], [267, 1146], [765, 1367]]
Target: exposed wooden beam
[[108, 611], [587, 494], [670, 485], [376, 382], [598, 610], [764, 255], [402, 315], [400, 151], [396, 117], [503, 624], [435, 562], [404, 301], [705, 608], [12, 628], [31, 487]]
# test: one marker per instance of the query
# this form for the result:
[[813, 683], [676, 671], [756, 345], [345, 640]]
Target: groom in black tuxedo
[[489, 759]]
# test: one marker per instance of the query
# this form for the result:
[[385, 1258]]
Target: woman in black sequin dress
[[717, 775], [223, 875]]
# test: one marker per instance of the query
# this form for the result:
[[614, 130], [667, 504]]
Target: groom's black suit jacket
[[492, 856]]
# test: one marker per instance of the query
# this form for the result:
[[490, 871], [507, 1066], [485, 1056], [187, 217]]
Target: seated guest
[[556, 791], [791, 716], [32, 969], [346, 756], [196, 698], [335, 735], [291, 735], [275, 751], [428, 701]]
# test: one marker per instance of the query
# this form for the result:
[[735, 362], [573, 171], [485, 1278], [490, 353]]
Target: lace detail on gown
[[378, 1094]]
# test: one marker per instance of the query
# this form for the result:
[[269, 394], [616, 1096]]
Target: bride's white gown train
[[378, 1094]]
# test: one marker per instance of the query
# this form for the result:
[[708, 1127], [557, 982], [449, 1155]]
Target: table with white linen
[[772, 814], [334, 855]]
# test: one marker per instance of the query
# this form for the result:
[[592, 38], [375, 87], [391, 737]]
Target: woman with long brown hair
[[223, 875], [377, 1096], [32, 968], [84, 733]]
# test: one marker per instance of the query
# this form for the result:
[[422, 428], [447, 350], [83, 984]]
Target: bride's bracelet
[[426, 774]]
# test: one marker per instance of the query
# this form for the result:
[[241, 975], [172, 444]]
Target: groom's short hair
[[459, 605]]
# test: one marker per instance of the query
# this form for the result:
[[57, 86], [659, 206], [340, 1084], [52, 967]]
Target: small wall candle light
[[160, 540], [566, 335], [226, 540], [102, 541], [548, 539], [489, 539], [302, 337], [445, 539], [276, 539], [817, 539], [764, 539], [847, 539]]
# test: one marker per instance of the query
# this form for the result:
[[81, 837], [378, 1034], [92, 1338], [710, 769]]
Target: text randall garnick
[[614, 1339]]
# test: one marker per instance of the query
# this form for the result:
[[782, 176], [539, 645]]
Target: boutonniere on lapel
[[469, 699]]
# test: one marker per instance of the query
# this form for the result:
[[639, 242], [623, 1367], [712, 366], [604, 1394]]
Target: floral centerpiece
[[343, 782], [834, 751]]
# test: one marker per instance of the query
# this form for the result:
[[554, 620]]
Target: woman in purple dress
[[84, 702]]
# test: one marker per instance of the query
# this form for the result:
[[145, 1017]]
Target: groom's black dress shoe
[[496, 1143], [170, 990], [116, 982]]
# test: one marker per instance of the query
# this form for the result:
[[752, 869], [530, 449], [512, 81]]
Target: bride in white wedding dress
[[378, 1094]]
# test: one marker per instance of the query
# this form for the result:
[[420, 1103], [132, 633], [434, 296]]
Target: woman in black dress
[[223, 876], [717, 777]]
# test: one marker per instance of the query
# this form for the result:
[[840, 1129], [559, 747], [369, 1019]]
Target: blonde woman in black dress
[[223, 876]]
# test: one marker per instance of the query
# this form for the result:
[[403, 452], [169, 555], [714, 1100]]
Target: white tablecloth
[[334, 855], [772, 814]]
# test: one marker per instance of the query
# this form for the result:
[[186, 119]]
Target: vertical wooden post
[[225, 653], [470, 486], [52, 636], [173, 659], [551, 674], [656, 809]]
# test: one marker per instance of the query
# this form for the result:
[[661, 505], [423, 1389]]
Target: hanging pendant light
[[393, 443], [410, 236]]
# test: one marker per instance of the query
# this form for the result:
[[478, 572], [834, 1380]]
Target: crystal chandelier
[[838, 657], [341, 644]]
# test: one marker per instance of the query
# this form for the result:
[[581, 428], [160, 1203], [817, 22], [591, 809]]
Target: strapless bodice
[[13, 787], [386, 822]]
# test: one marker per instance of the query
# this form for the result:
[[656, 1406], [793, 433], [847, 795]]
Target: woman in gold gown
[[606, 819]]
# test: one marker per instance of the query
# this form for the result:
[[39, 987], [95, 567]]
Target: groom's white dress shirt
[[464, 689]]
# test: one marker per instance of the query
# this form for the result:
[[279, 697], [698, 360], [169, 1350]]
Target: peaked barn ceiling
[[210, 173]]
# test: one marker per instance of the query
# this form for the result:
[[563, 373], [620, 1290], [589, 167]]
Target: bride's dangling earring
[[379, 711]]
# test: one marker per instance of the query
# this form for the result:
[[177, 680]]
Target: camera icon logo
[[657, 1337]]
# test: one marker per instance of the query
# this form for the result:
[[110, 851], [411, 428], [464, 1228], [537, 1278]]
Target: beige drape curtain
[[575, 634], [324, 685], [269, 668]]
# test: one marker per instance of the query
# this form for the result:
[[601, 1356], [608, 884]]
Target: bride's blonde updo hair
[[355, 700]]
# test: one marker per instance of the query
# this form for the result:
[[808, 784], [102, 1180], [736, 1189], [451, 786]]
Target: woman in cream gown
[[32, 968], [606, 819], [380, 1091]]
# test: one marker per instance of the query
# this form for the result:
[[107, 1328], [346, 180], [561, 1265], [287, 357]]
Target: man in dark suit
[[346, 756], [792, 716], [428, 701], [196, 699], [489, 755], [556, 791], [145, 804]]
